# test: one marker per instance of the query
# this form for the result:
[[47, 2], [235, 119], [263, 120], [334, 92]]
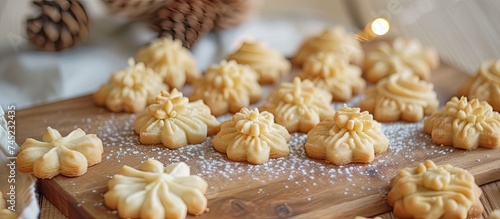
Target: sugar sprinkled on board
[[297, 172], [406, 139]]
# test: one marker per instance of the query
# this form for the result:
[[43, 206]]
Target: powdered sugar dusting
[[407, 143]]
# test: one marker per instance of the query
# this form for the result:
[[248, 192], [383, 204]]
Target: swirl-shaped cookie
[[175, 122], [227, 87], [430, 191], [402, 96], [335, 40], [465, 124], [333, 73], [348, 136], [54, 155], [130, 90], [6, 213], [252, 136], [485, 85], [299, 105], [401, 55], [268, 63], [174, 63], [155, 191]]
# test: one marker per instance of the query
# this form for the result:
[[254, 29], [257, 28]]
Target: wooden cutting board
[[295, 186]]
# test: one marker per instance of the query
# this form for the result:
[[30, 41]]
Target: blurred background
[[464, 32]]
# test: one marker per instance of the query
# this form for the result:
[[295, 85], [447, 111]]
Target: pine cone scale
[[178, 18], [39, 40], [52, 13], [163, 14], [193, 22], [64, 4], [83, 33], [34, 25], [79, 12], [51, 32], [191, 35], [183, 9], [71, 23], [66, 39]]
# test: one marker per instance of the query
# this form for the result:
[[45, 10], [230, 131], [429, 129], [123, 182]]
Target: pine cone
[[232, 13], [61, 24], [135, 8], [186, 20]]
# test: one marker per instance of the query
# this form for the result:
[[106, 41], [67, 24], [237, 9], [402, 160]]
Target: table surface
[[491, 191], [490, 200]]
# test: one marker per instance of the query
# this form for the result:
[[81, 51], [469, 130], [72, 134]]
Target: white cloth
[[23, 197]]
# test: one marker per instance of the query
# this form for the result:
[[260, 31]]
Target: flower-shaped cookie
[[174, 63], [269, 64], [6, 213], [402, 96], [333, 73], [155, 191], [227, 87], [69, 156], [175, 122], [465, 124], [350, 136], [130, 89], [430, 191], [335, 40], [299, 105], [485, 85], [400, 55], [252, 136]]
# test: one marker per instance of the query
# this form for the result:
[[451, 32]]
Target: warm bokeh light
[[380, 26]]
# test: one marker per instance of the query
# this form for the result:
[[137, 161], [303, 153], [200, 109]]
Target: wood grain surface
[[490, 200], [295, 186]]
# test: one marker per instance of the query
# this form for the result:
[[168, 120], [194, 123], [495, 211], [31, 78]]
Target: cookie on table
[[485, 85], [465, 124], [332, 72], [267, 62], [349, 136], [175, 122], [333, 39], [401, 54], [227, 87], [495, 214], [168, 58], [4, 212], [131, 89], [252, 136], [55, 154], [402, 96], [430, 191], [155, 191], [299, 105]]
